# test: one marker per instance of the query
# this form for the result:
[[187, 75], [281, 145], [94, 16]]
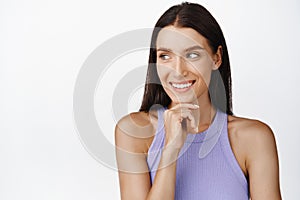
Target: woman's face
[[184, 63]]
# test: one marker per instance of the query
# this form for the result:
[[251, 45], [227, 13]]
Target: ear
[[218, 58]]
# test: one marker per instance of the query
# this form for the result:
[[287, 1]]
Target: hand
[[177, 120]]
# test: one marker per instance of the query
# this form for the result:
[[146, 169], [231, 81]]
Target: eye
[[164, 57], [192, 55]]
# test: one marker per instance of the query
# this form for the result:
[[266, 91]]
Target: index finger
[[185, 105]]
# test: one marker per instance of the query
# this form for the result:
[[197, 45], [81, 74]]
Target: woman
[[185, 142]]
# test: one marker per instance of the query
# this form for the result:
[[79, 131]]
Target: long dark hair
[[198, 18]]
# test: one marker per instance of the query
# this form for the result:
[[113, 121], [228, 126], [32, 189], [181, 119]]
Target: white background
[[43, 45]]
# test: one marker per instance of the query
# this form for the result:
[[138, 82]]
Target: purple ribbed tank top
[[206, 166]]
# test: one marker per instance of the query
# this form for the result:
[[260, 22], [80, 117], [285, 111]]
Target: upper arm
[[131, 159], [262, 163]]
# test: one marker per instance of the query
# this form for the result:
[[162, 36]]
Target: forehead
[[178, 39]]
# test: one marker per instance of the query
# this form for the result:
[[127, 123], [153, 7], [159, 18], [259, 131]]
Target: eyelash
[[162, 56], [193, 53], [197, 55]]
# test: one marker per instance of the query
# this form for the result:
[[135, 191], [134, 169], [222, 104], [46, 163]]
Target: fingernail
[[196, 105]]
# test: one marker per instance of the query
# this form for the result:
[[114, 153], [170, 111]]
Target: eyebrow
[[194, 48], [164, 49], [186, 50]]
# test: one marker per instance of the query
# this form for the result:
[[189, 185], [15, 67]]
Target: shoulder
[[251, 130], [135, 131], [250, 137]]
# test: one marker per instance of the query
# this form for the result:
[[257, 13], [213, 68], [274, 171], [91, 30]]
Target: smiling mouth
[[182, 84]]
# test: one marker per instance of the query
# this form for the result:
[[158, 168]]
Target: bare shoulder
[[134, 132], [250, 130], [249, 138]]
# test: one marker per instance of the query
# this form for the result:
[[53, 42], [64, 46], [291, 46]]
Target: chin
[[184, 99]]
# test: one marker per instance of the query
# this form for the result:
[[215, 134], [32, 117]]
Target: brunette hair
[[197, 17]]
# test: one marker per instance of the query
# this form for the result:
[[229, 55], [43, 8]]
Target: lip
[[192, 82]]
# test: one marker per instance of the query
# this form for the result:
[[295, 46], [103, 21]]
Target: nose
[[180, 66]]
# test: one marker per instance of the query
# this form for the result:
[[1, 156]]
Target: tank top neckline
[[206, 155]]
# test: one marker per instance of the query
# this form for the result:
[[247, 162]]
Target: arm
[[133, 171], [262, 164], [134, 178]]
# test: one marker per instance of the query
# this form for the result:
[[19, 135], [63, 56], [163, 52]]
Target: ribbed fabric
[[206, 168]]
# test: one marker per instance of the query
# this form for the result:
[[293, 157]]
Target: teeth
[[181, 86]]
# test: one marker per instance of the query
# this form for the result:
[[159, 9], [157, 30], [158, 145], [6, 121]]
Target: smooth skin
[[252, 141]]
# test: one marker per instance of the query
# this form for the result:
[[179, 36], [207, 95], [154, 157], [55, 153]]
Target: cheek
[[203, 72], [205, 77], [163, 73]]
